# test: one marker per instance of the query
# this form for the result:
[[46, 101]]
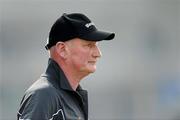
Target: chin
[[89, 69], [92, 70]]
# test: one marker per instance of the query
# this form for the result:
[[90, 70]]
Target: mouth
[[92, 62]]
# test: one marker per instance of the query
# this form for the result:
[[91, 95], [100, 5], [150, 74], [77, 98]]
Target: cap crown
[[69, 26], [74, 25]]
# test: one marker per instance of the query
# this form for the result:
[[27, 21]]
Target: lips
[[92, 62]]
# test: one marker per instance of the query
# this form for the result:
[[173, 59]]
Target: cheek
[[82, 58], [79, 59]]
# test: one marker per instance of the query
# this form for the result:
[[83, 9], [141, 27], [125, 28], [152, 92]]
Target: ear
[[61, 49]]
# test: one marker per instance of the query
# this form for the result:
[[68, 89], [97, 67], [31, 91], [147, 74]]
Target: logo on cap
[[89, 24]]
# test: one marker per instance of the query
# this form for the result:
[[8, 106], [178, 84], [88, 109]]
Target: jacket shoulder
[[40, 101], [41, 88]]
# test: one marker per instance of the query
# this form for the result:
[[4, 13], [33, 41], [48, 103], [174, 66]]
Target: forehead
[[81, 41]]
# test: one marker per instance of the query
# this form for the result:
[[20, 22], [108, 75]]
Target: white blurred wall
[[138, 75]]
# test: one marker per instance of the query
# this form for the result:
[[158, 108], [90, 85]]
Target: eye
[[89, 45]]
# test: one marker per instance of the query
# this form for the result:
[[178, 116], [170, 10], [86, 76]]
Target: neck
[[73, 77]]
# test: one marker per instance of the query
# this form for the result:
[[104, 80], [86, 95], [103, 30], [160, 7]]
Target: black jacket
[[52, 98]]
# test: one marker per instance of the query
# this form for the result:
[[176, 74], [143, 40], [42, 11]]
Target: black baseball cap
[[75, 25]]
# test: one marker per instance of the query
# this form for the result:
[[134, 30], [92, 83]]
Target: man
[[57, 95]]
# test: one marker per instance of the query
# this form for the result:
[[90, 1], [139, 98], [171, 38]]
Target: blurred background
[[138, 76]]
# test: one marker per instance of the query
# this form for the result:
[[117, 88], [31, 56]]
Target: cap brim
[[98, 36]]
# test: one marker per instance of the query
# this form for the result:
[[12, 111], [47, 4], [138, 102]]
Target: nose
[[97, 53]]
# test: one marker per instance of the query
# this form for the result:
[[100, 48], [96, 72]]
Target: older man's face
[[83, 55]]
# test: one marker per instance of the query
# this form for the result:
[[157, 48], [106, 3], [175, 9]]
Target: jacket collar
[[56, 76]]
